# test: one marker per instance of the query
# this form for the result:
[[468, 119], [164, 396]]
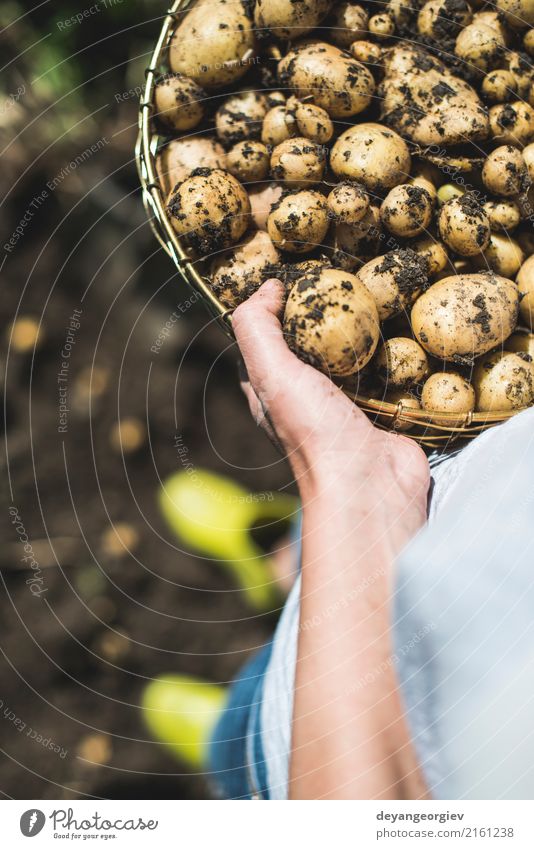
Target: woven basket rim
[[466, 425]]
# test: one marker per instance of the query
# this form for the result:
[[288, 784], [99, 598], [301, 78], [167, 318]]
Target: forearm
[[349, 735]]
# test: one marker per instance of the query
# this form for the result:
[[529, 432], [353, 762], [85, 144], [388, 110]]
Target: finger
[[258, 331]]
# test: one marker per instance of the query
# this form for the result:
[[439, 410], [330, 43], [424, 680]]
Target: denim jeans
[[237, 762]]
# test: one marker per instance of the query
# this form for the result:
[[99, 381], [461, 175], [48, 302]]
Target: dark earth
[[97, 621]]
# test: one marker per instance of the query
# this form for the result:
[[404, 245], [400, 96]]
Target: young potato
[[372, 155], [480, 46], [448, 392], [180, 157], [504, 382], [503, 215], [512, 123], [298, 223], [521, 342], [464, 226], [348, 24], [355, 243], [463, 317], [505, 172], [503, 256], [443, 19], [262, 199], [337, 82], [367, 52], [237, 275], [249, 161], [426, 103], [381, 26], [528, 156], [525, 284], [212, 43], [287, 19], [348, 203], [394, 279], [331, 321], [406, 211], [298, 162], [279, 125], [426, 176], [521, 70], [240, 117], [402, 11], [519, 14], [433, 252], [179, 102], [401, 362], [313, 122], [210, 210], [499, 86]]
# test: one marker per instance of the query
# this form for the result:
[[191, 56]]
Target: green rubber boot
[[181, 712], [213, 516]]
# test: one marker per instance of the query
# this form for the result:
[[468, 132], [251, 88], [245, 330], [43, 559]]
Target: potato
[[525, 283], [443, 19], [518, 13], [331, 321], [240, 117], [448, 392], [406, 211], [287, 19], [355, 243], [480, 46], [299, 221], [337, 82], [313, 122], [463, 317], [426, 103], [503, 255], [426, 176], [512, 123], [372, 155], [505, 172], [279, 125], [381, 26], [237, 275], [348, 24], [499, 86], [521, 342], [212, 43], [393, 280], [367, 52], [298, 162], [179, 102], [463, 225], [528, 156], [180, 157], [521, 70], [249, 161], [528, 42], [503, 215], [504, 382], [433, 252], [210, 210], [401, 362], [348, 203], [262, 199]]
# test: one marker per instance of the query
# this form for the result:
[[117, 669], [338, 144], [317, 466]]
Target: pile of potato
[[378, 157]]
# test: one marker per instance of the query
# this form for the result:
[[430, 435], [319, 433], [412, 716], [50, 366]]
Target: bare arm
[[364, 496]]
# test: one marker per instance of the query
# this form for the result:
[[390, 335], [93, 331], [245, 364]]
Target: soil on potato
[[79, 643]]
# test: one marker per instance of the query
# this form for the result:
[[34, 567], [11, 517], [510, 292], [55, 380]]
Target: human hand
[[331, 445]]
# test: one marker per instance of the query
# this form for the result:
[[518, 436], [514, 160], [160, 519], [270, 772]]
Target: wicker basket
[[424, 427]]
